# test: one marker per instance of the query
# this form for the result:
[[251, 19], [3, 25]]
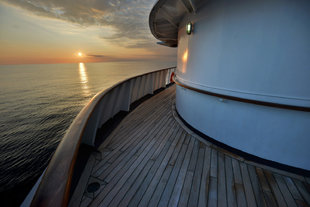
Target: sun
[[80, 54]]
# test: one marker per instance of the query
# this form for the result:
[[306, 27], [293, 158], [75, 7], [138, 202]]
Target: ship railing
[[53, 187]]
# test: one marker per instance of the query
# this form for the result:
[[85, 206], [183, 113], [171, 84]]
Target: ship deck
[[153, 159]]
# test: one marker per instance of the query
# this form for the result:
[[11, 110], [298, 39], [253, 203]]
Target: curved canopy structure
[[165, 18]]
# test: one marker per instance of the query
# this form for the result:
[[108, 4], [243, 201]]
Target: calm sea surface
[[37, 105]]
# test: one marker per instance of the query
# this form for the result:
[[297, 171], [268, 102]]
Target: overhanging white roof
[[165, 18]]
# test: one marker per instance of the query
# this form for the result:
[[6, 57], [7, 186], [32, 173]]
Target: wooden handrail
[[54, 189], [244, 100]]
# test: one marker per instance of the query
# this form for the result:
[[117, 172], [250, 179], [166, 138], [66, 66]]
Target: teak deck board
[[247, 185], [150, 159]]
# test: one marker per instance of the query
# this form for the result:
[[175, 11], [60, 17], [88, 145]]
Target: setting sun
[[80, 54]]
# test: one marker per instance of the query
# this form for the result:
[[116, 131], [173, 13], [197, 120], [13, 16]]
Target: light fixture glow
[[184, 61], [185, 56], [189, 28]]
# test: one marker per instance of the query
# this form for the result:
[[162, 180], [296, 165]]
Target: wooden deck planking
[[121, 177], [154, 199], [151, 160], [127, 154], [189, 176], [221, 184], [145, 178], [176, 193], [131, 182], [284, 190], [303, 191], [132, 127], [193, 197], [204, 184], [136, 127], [139, 194], [212, 200], [134, 121], [249, 194], [270, 200], [165, 177], [230, 187], [173, 177], [241, 200], [258, 193], [294, 191], [150, 190], [122, 160], [275, 189], [133, 139]]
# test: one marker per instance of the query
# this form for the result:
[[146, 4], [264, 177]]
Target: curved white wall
[[257, 49], [274, 134]]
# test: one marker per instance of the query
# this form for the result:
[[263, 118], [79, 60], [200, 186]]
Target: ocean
[[37, 105]]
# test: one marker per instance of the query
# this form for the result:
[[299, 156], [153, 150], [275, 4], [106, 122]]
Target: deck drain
[[93, 187]]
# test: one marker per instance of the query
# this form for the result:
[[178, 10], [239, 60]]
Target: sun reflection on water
[[84, 79]]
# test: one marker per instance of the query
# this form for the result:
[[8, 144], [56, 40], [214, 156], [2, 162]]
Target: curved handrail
[[54, 189], [244, 100]]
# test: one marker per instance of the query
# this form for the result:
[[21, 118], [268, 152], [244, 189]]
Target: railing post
[[151, 88], [90, 130], [127, 96]]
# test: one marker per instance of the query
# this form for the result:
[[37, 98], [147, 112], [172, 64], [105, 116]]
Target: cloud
[[96, 56], [100, 58], [106, 58], [127, 18]]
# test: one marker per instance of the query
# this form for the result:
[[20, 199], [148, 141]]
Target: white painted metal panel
[[278, 135], [257, 50]]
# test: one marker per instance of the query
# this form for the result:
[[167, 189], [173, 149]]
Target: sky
[[56, 31]]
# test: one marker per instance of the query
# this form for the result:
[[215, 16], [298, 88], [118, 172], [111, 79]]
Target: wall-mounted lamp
[[189, 28]]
